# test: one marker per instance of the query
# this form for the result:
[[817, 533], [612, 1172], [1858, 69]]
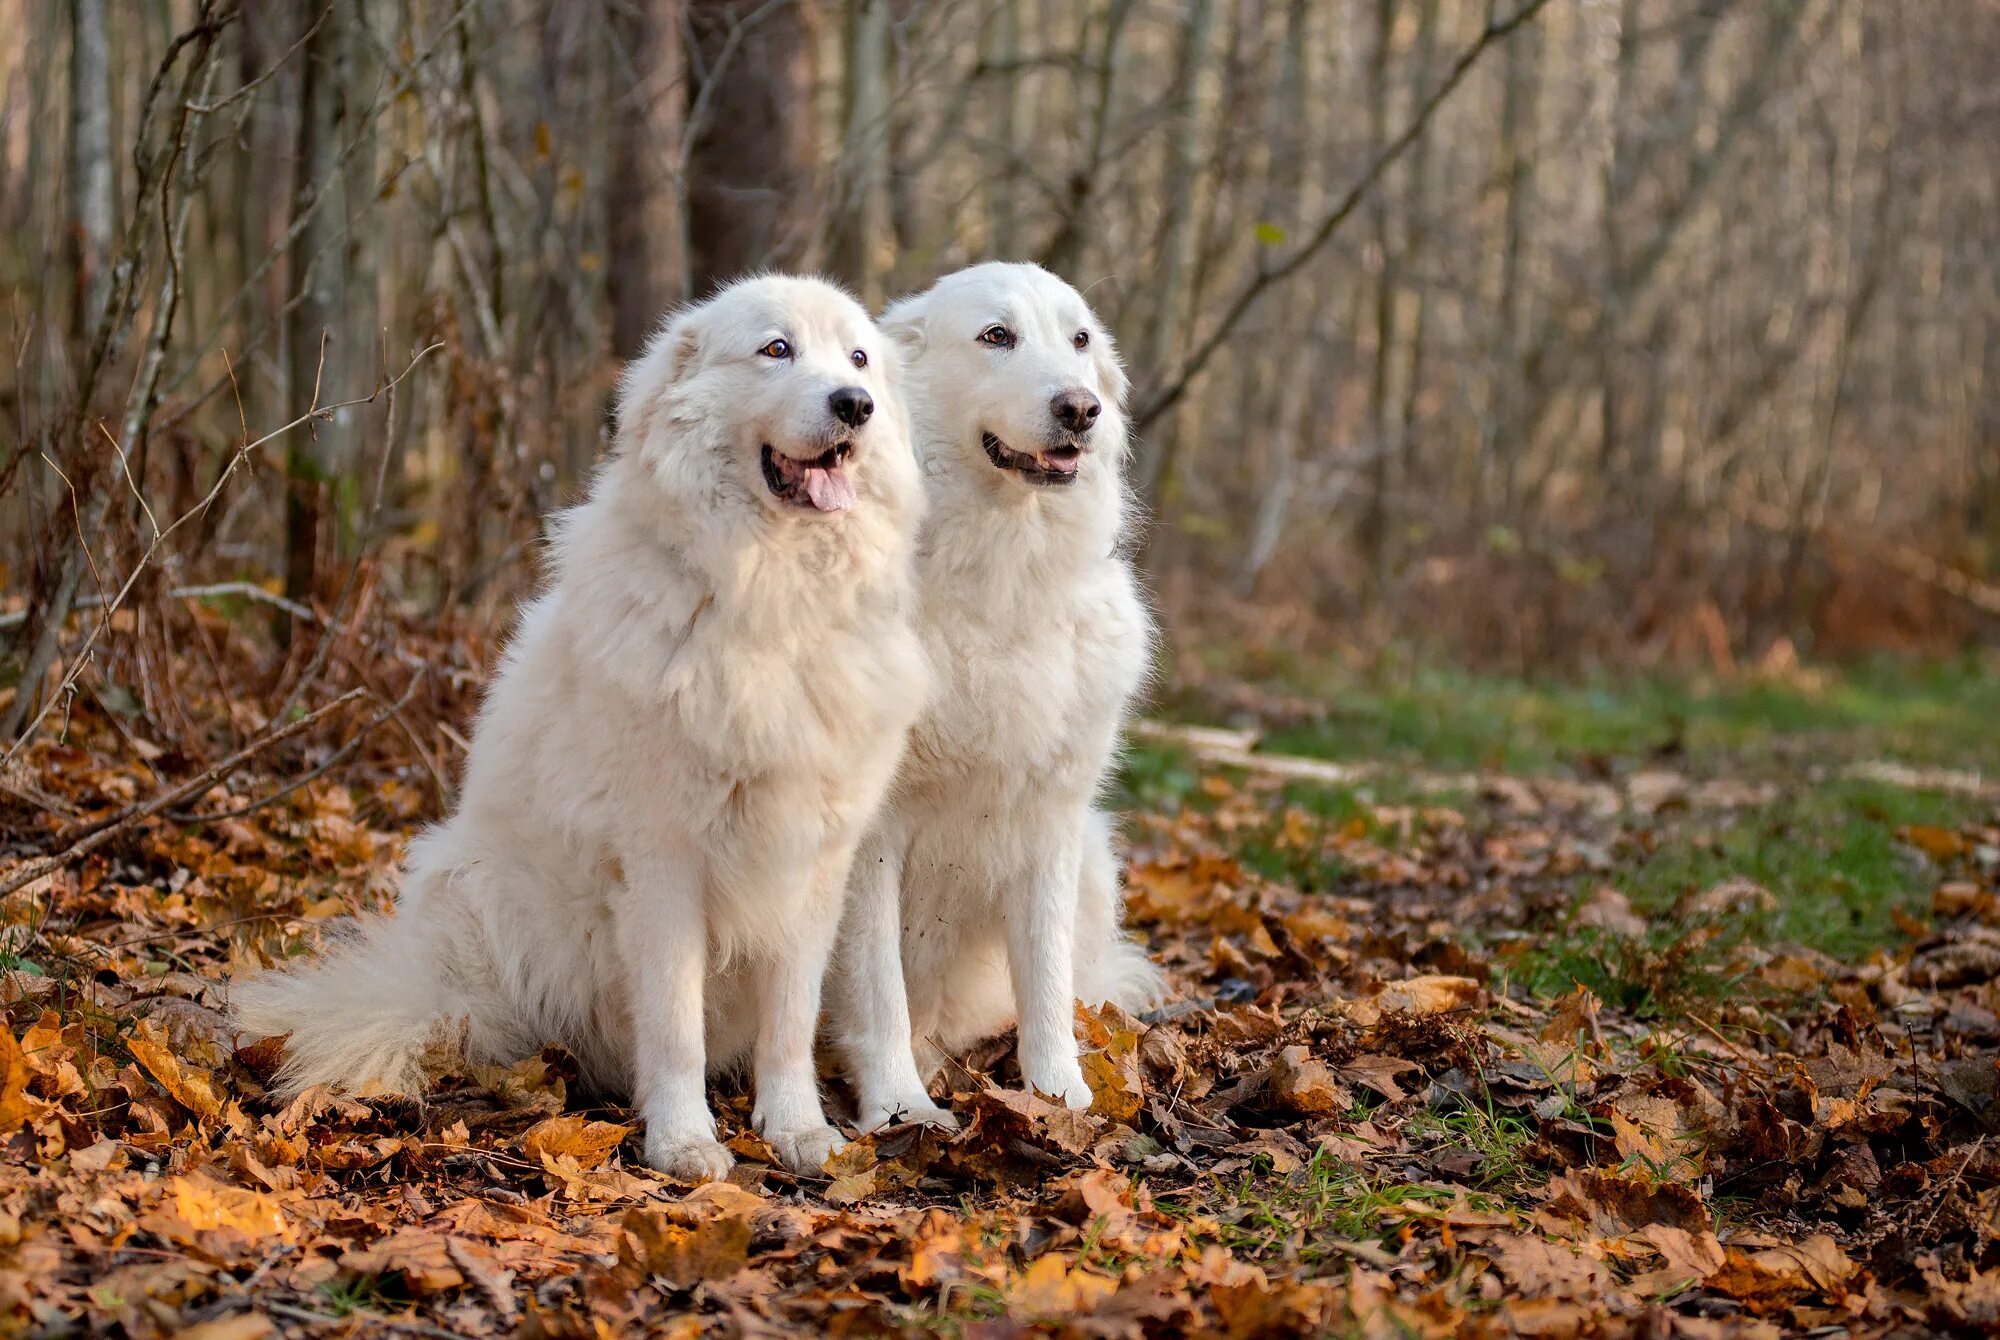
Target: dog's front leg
[[663, 937], [872, 1005], [1041, 949], [788, 1112]]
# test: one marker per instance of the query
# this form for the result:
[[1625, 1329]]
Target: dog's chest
[[1033, 688]]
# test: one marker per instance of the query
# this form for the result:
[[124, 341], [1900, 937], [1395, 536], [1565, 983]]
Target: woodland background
[[1576, 332], [1569, 434]]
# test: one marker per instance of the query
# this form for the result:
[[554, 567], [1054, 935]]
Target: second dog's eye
[[777, 349], [1081, 339], [859, 358], [997, 337]]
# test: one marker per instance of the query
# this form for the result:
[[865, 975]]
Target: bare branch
[[1175, 386]]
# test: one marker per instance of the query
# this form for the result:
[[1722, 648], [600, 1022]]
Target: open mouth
[[820, 483], [1053, 466]]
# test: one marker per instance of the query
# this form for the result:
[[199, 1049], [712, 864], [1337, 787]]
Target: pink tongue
[[1061, 467], [829, 490]]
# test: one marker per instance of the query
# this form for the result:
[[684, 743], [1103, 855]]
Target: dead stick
[[98, 834]]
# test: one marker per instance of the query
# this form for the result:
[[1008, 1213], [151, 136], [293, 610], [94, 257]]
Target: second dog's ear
[[686, 342], [1111, 368], [905, 328]]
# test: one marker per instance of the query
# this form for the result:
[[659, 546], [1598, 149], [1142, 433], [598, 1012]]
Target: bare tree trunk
[[1417, 208], [1290, 195], [645, 224], [861, 211], [750, 118], [92, 170], [1003, 54], [1617, 185], [1187, 135], [1517, 128], [1064, 251], [1375, 523], [317, 278]]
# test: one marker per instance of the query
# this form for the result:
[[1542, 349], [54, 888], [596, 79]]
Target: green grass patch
[[1944, 713], [1153, 776], [1676, 967], [1828, 853], [1501, 1141], [1300, 1220]]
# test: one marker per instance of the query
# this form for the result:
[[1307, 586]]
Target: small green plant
[[1302, 1219], [1500, 1140], [1674, 967], [350, 1294]]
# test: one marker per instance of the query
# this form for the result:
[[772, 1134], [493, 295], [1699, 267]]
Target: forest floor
[[1644, 1008]]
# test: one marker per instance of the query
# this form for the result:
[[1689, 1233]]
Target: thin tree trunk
[[1617, 185], [861, 214], [645, 224], [1517, 129], [1375, 523], [1187, 134], [1417, 214], [753, 151], [1290, 195], [92, 170], [312, 349], [1064, 253]]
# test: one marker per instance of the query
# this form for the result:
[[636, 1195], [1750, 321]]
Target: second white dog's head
[[779, 391], [1006, 364]]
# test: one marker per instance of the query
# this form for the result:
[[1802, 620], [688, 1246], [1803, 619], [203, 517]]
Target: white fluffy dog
[[988, 891], [690, 731]]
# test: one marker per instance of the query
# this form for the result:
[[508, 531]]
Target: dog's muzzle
[[821, 483], [1054, 466]]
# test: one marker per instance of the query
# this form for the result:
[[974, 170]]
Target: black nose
[[1076, 410], [851, 405]]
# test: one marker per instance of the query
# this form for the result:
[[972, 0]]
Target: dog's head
[[1007, 364], [778, 388]]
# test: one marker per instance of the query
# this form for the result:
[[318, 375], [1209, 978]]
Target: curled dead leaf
[[1610, 911], [588, 1142], [1117, 1092], [188, 1085], [14, 1110], [1428, 995], [653, 1245], [1302, 1083]]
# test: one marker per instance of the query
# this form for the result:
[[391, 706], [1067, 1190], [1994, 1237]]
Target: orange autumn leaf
[[190, 1086], [588, 1142]]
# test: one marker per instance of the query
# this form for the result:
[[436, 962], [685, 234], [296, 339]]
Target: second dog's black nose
[[851, 405], [1076, 410]]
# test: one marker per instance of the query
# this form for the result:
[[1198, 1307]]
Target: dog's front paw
[[915, 1110], [688, 1158], [805, 1151], [1064, 1083]]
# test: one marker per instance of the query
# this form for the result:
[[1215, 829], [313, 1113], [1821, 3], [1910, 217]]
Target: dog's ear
[[906, 328], [1111, 368], [670, 356], [684, 348]]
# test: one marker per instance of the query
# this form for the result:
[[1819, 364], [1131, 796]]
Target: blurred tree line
[[1540, 329]]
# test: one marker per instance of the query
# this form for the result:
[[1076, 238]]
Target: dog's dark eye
[[777, 349], [1081, 339], [859, 358], [997, 337]]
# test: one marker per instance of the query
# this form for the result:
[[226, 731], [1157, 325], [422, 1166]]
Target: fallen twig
[[332, 761], [97, 834]]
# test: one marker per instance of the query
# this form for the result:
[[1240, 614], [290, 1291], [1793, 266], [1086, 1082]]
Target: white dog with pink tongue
[[690, 730]]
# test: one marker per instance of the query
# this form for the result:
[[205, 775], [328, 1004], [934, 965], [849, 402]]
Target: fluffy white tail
[[360, 1014]]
